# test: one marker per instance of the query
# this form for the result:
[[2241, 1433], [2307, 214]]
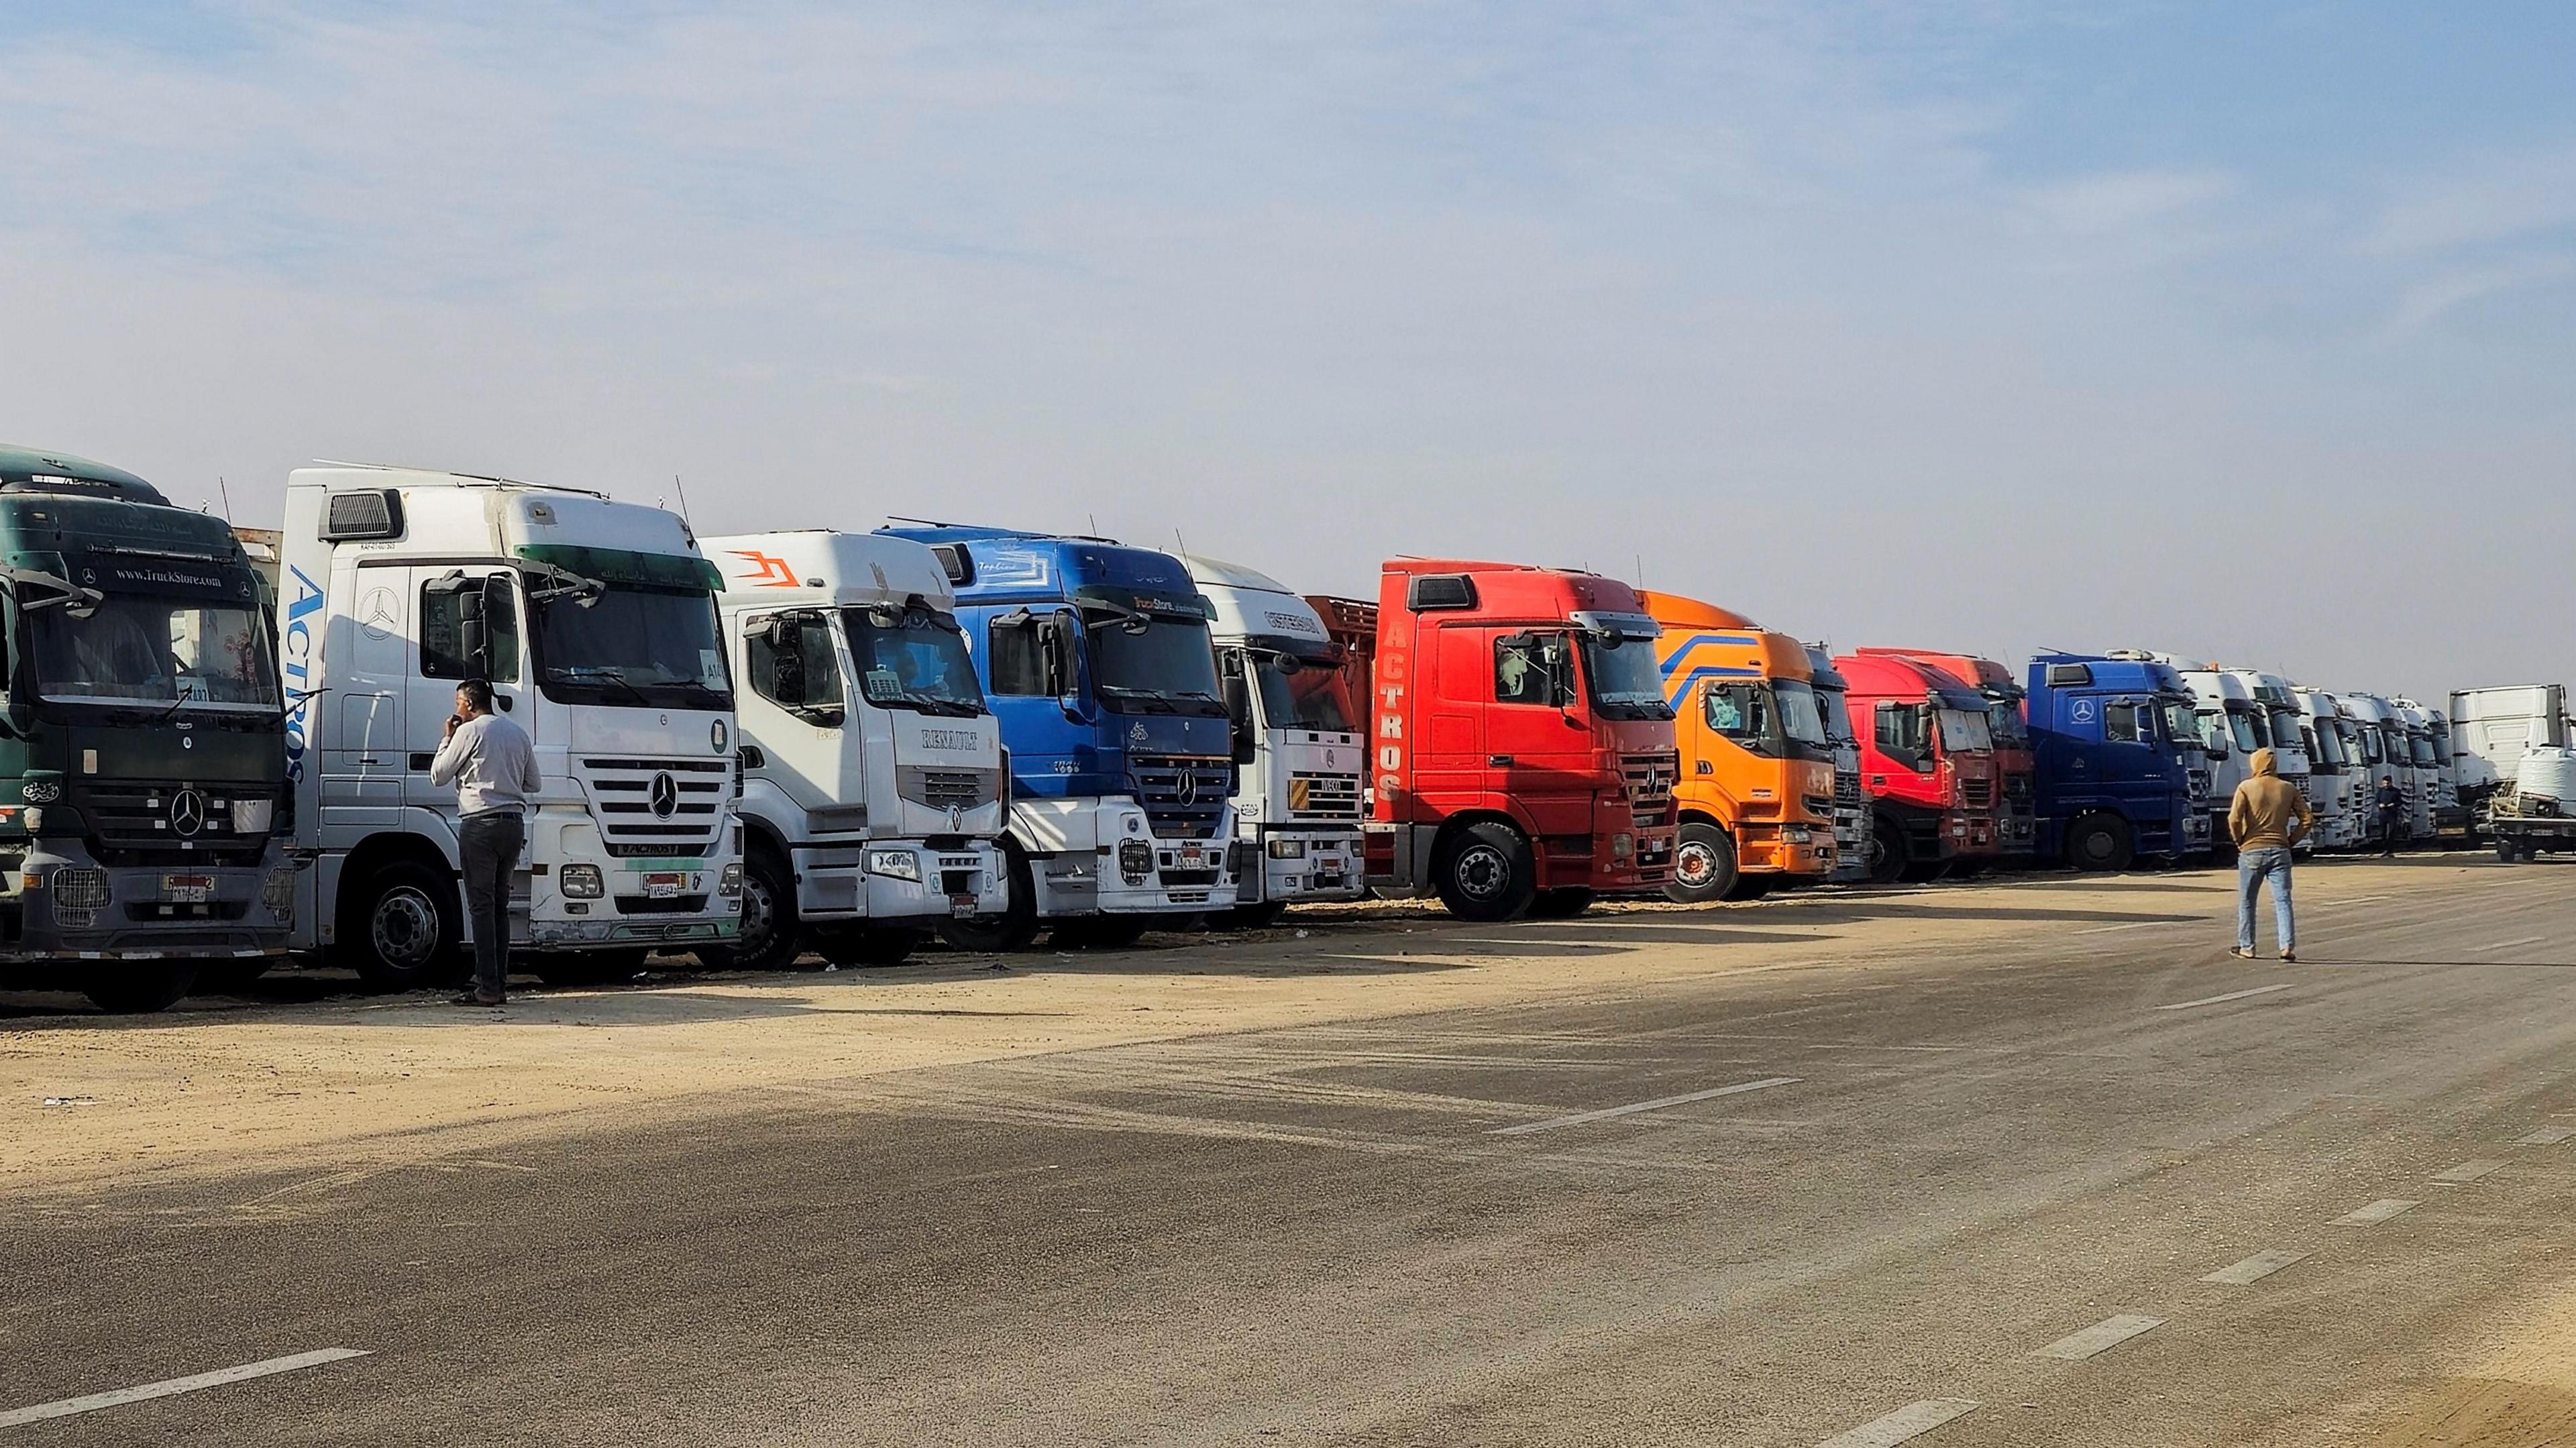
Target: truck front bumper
[[1766, 849], [668, 903], [1303, 865], [78, 909], [967, 881]]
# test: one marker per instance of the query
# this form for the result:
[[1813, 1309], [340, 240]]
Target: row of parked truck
[[219, 737]]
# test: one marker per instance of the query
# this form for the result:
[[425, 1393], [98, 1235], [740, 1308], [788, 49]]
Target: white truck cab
[[595, 622], [2278, 709], [1297, 803], [2333, 775], [2232, 726], [874, 785]]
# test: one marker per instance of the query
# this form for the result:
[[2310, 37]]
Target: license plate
[[665, 886], [2454, 829], [1191, 859], [187, 889], [961, 906]]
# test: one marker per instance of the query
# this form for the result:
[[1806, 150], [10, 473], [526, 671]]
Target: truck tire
[[1704, 868], [2100, 842], [405, 929], [1485, 872], [1888, 862], [2505, 850], [1563, 903], [1256, 916], [874, 945], [772, 935], [1014, 927], [1100, 932], [142, 990]]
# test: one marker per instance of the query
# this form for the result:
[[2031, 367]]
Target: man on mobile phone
[[494, 769]]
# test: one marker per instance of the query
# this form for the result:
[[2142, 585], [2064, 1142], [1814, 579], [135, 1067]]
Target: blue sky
[[2236, 330]]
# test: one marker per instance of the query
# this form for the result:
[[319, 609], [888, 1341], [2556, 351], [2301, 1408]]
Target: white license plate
[[1192, 859], [664, 887], [187, 889], [961, 907]]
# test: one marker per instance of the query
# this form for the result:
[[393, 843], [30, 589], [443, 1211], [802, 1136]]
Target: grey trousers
[[490, 845]]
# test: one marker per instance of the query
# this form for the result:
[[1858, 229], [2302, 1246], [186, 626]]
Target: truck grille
[[145, 823], [949, 788], [1315, 795], [1184, 796], [1651, 778], [1821, 806], [659, 806], [1847, 789], [1977, 793], [2017, 785], [2197, 783]]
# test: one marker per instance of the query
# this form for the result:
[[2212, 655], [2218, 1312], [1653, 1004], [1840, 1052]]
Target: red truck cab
[[1521, 752], [2017, 819], [1927, 758]]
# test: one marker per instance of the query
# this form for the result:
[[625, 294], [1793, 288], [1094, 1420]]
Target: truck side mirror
[[1238, 706]]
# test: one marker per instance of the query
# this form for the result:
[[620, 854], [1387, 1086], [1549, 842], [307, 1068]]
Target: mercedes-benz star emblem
[[1189, 793], [666, 796], [187, 812]]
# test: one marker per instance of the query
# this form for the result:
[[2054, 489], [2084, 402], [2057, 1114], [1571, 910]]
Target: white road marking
[[171, 1387], [2510, 944], [2100, 1338], [2255, 1268], [2547, 1136], [2374, 1214], [1657, 1104], [2468, 1171], [2234, 995], [2133, 925], [1904, 1425]]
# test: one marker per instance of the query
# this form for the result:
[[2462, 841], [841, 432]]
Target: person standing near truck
[[2268, 815], [2388, 810], [494, 769]]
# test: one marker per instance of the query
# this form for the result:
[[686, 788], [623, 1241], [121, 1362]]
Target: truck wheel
[[572, 969], [141, 990], [2505, 850], [1100, 932], [2100, 842], [1485, 872], [1256, 916], [1014, 927], [405, 929], [877, 945], [1888, 862], [1563, 903], [1703, 865], [772, 937]]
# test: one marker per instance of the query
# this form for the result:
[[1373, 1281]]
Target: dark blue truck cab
[[2119, 768]]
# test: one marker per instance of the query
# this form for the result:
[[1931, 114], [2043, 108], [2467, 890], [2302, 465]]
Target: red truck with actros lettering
[[1927, 756], [1521, 752]]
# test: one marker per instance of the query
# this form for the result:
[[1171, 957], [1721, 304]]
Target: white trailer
[[874, 788], [595, 622], [1297, 801]]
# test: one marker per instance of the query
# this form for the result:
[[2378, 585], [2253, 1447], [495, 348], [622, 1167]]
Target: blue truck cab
[[2120, 768], [1097, 661]]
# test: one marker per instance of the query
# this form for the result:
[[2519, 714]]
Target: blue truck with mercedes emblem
[[2120, 770], [142, 787], [1097, 662]]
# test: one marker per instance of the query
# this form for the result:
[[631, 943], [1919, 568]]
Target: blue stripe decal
[[1673, 660]]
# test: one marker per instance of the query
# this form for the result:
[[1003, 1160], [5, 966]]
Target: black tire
[[139, 990], [772, 935], [1014, 927], [1256, 916], [1485, 872], [572, 969], [1562, 903], [869, 945], [1890, 859], [2505, 850], [1704, 869], [2100, 842], [1103, 932], [404, 929]]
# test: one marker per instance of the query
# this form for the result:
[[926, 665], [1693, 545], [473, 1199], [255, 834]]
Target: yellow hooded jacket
[[2268, 811]]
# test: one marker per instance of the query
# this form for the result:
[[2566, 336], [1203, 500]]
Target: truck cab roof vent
[[2069, 676], [373, 513], [1431, 592], [954, 562]]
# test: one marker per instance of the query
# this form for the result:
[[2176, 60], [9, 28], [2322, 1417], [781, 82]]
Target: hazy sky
[[2239, 330]]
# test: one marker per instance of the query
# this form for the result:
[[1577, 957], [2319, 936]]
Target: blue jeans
[[2253, 867]]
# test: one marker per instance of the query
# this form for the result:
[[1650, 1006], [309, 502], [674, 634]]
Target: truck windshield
[[1829, 704], [143, 649], [914, 660], [2213, 730], [2420, 750], [1965, 729], [1625, 682], [2243, 728], [2004, 721], [1305, 694], [653, 648], [2181, 723], [2327, 747], [1166, 667]]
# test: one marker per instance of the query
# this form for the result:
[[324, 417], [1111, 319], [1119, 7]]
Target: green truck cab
[[142, 766]]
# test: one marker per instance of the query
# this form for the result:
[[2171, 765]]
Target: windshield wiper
[[81, 600], [1153, 702], [564, 584], [606, 676]]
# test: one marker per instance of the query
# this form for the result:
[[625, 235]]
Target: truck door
[[1537, 750], [469, 628], [362, 763], [1449, 708], [793, 703]]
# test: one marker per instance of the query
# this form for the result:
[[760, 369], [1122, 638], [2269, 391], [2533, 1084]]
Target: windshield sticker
[[881, 684], [710, 665]]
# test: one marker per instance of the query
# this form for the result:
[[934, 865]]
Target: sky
[[2234, 330]]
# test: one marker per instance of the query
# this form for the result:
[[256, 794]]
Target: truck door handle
[[1496, 761]]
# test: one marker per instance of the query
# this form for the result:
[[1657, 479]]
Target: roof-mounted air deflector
[[373, 513], [1432, 592]]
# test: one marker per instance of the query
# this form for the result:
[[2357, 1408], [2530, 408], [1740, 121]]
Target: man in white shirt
[[494, 769]]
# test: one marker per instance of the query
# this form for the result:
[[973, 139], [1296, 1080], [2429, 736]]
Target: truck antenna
[[1641, 570], [1180, 544], [924, 522], [226, 489], [684, 503]]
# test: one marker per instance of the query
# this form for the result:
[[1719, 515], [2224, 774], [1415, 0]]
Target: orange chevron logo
[[768, 571]]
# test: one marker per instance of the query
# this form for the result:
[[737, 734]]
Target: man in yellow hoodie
[[2267, 817]]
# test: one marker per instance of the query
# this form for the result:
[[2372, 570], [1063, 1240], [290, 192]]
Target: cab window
[[2120, 724], [1533, 669]]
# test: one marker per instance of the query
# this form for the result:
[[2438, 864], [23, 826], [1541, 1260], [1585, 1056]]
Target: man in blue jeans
[[2267, 817]]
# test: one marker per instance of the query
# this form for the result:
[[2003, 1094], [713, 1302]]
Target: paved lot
[[1829, 1166]]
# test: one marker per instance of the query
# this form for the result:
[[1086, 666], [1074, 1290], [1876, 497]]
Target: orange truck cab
[[1521, 752], [1757, 767]]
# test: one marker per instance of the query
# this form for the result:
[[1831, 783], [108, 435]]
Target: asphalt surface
[[1935, 1175]]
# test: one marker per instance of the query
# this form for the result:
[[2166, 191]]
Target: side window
[[1019, 657], [1532, 669], [443, 646], [798, 671], [2120, 724], [1901, 731], [1738, 711]]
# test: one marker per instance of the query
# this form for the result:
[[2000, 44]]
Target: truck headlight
[[1797, 834], [895, 865], [80, 887], [729, 881], [252, 816], [278, 892], [581, 882], [1287, 849], [1135, 861], [1622, 846]]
